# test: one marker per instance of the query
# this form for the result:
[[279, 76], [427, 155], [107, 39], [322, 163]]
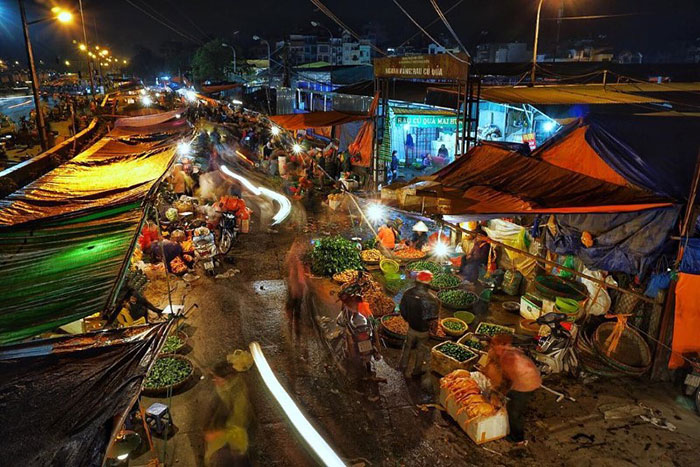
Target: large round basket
[[386, 331], [632, 355], [451, 332], [163, 390], [459, 308], [448, 287], [405, 260], [183, 343]]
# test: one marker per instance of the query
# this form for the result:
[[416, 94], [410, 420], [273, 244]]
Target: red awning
[[316, 119], [494, 179]]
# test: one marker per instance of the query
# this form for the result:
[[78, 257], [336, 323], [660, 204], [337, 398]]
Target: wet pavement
[[235, 414]]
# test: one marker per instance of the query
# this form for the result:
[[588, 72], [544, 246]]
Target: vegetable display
[[425, 266], [456, 351], [472, 343], [167, 371], [409, 253], [332, 255], [396, 324], [453, 325], [490, 329], [371, 256], [457, 298], [445, 280], [172, 344], [346, 276]]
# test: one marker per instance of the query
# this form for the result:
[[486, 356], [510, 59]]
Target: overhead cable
[[459, 2], [177, 31], [428, 34], [448, 26], [337, 21]]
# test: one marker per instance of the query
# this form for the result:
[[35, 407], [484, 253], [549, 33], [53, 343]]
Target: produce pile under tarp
[[65, 238], [59, 397]]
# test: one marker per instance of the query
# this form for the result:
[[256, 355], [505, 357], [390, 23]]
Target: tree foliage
[[211, 61]]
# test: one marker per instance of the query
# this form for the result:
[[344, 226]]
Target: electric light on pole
[[269, 61]]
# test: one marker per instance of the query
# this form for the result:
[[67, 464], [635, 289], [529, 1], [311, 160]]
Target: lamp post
[[89, 64], [269, 61], [224, 44], [537, 38], [62, 16], [316, 24]]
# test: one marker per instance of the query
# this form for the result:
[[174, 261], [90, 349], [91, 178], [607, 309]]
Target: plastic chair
[[158, 418]]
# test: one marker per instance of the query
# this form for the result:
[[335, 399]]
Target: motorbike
[[555, 352], [359, 339], [205, 249], [228, 231]]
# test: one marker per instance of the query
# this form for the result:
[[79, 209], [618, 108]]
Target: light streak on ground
[[283, 201], [20, 104], [300, 423]]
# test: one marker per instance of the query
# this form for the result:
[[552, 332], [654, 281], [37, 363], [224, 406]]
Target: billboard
[[440, 66]]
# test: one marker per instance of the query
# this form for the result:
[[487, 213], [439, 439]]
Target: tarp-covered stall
[[303, 121], [60, 397], [65, 238]]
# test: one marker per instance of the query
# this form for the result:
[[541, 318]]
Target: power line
[[337, 21], [189, 20], [177, 31], [427, 33], [449, 27], [459, 2], [167, 19]]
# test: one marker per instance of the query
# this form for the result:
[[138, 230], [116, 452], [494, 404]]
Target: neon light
[[300, 423]]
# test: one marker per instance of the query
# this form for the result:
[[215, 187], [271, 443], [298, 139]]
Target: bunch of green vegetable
[[370, 243], [332, 255], [445, 280], [172, 344], [453, 325], [457, 298], [456, 351], [167, 371], [424, 265], [488, 329]]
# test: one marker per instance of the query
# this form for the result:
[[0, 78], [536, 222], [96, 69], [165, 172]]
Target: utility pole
[[537, 38], [40, 123], [85, 41]]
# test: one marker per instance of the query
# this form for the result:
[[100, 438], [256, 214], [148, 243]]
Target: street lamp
[[62, 16], [269, 61], [537, 38], [316, 24], [223, 44]]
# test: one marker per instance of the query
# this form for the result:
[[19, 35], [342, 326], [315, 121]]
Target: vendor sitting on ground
[[171, 249], [418, 307], [420, 236], [139, 307], [513, 373], [476, 253], [389, 233]]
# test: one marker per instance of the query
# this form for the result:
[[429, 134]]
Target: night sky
[[120, 25]]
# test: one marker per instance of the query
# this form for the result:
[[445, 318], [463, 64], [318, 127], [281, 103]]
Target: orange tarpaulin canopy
[[495, 178], [316, 119]]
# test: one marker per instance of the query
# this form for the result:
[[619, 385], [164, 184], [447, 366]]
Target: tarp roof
[[60, 397], [316, 119], [654, 152], [494, 179]]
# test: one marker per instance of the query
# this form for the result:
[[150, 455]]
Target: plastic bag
[[599, 302]]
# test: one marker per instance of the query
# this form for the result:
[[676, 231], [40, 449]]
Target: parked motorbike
[[555, 352], [204, 249], [228, 231], [358, 332]]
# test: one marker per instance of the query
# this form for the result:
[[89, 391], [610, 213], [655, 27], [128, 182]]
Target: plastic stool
[[158, 418]]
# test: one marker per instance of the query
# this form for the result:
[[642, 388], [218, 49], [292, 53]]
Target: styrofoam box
[[481, 429]]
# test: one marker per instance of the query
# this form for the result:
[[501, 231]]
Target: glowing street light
[[376, 212], [441, 249], [67, 63], [82, 47], [275, 131], [296, 148], [61, 15], [146, 101], [184, 148]]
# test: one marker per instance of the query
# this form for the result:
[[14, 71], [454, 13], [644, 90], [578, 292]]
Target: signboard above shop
[[440, 66]]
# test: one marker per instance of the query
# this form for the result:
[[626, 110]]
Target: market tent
[[65, 238], [496, 179], [316, 119], [60, 397], [654, 152]]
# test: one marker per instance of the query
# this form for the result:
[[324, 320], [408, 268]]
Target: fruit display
[[331, 255], [373, 293], [346, 276], [424, 266], [177, 266], [168, 371], [490, 329], [456, 351], [371, 256], [409, 253], [395, 324], [472, 344], [456, 298], [453, 326], [466, 393], [187, 246], [445, 280]]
